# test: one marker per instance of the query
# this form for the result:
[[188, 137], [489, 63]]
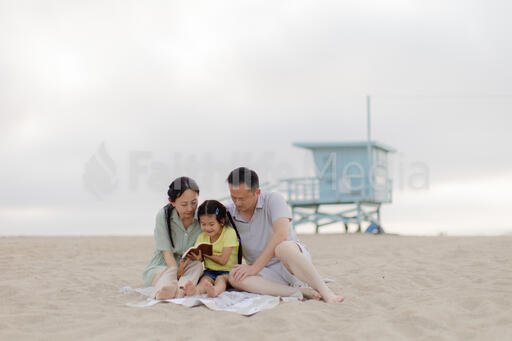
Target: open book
[[205, 248]]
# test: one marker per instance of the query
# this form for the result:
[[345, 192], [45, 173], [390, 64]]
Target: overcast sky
[[102, 104]]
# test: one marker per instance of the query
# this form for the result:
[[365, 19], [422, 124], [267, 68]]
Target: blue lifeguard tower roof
[[348, 144]]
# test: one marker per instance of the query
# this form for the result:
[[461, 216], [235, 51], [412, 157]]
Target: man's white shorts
[[277, 272]]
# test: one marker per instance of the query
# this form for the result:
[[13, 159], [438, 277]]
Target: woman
[[176, 230]]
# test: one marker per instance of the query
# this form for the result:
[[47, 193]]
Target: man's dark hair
[[244, 175]]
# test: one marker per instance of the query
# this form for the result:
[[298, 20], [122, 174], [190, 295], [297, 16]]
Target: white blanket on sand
[[243, 303]]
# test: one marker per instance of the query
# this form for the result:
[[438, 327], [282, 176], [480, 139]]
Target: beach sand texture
[[395, 287]]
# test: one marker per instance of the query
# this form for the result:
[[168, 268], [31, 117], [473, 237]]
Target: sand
[[430, 288]]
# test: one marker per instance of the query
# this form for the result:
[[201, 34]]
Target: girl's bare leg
[[193, 270], [263, 286], [221, 283], [201, 287], [191, 289], [300, 266]]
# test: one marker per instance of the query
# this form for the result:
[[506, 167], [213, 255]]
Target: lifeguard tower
[[351, 175]]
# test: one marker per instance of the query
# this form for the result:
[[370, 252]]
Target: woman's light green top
[[182, 238]]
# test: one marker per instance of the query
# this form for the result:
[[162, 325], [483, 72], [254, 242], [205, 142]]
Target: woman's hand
[[169, 259], [196, 257]]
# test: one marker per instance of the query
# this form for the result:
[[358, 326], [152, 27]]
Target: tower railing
[[302, 189]]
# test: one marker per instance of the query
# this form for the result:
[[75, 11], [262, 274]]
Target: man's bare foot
[[190, 289], [310, 293], [210, 289], [167, 292], [333, 299]]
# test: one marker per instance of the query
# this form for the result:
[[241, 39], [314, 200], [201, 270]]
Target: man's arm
[[281, 228]]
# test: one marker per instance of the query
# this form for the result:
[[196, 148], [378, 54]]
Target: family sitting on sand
[[256, 225]]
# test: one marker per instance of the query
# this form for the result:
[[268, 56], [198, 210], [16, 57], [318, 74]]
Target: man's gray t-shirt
[[256, 232]]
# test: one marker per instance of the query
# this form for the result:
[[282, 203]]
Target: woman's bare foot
[[190, 289], [180, 293], [210, 289], [333, 299], [310, 293], [167, 292]]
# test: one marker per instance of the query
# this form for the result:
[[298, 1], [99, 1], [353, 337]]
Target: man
[[278, 264]]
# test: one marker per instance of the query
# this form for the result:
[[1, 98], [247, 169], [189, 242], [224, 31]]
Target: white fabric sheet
[[243, 303]]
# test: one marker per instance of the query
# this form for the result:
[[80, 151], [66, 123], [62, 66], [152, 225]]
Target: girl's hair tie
[[217, 211]]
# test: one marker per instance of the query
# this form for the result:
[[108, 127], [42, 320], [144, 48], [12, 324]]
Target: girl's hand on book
[[197, 257]]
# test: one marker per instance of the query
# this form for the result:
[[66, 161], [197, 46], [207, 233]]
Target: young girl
[[212, 219]]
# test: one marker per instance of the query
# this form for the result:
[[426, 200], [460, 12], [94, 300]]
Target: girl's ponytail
[[232, 222]]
